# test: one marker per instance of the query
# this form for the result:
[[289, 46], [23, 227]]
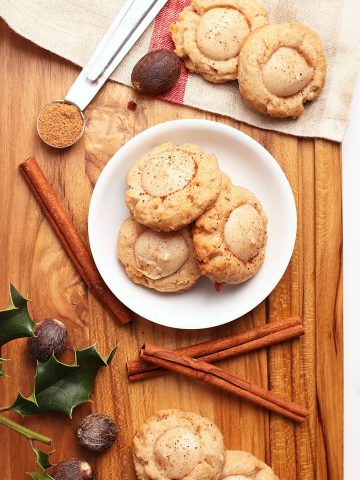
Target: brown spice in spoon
[[60, 124]]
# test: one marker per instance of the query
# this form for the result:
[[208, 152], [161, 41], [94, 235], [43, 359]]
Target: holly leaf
[[60, 387], [40, 475], [15, 321], [42, 460]]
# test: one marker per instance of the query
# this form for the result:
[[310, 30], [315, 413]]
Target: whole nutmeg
[[97, 432], [156, 72], [72, 469], [50, 337]]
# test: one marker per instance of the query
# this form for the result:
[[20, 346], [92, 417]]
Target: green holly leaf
[[60, 387], [42, 460], [40, 475], [15, 321]]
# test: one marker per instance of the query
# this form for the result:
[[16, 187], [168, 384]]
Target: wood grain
[[309, 371]]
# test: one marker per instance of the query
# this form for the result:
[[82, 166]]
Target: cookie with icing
[[240, 465], [208, 35], [172, 185], [164, 261], [173, 444], [281, 67], [230, 238]]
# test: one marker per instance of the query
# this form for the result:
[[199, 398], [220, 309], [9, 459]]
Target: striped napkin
[[72, 29]]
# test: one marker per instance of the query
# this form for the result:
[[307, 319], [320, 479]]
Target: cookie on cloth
[[163, 261], [209, 34], [173, 444], [172, 185], [281, 67], [230, 238], [240, 465]]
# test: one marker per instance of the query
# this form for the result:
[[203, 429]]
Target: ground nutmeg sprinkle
[[60, 124]]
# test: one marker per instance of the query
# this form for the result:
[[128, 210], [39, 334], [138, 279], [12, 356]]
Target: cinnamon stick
[[74, 246], [226, 347], [207, 373]]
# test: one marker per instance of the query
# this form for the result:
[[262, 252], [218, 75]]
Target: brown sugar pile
[[60, 124]]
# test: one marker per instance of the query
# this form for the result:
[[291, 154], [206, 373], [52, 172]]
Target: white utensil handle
[[114, 40], [128, 25]]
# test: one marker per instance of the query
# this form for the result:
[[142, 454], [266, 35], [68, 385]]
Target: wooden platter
[[309, 371]]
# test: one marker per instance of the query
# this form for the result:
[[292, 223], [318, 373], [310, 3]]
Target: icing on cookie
[[177, 452], [167, 172], [159, 255], [287, 72], [221, 32], [244, 232]]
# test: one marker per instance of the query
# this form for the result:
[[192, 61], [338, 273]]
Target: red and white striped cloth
[[161, 38], [73, 28]]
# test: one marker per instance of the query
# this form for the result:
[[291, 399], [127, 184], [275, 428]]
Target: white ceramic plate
[[248, 164]]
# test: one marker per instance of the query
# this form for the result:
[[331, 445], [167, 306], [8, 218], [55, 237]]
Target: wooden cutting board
[[309, 371]]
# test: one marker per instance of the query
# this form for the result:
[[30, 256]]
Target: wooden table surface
[[308, 371]]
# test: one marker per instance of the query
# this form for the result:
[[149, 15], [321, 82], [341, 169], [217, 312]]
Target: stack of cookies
[[187, 220], [279, 67]]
